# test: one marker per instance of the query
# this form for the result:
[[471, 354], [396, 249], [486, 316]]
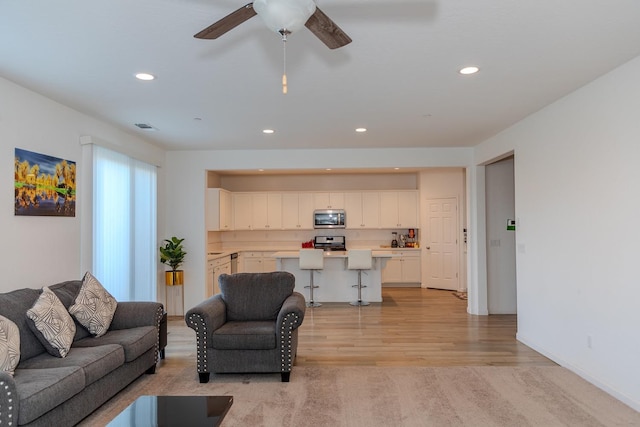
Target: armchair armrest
[[292, 310], [132, 314], [9, 402], [289, 319], [205, 318]]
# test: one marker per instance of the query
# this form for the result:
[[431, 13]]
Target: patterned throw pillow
[[51, 319], [9, 345], [94, 307]]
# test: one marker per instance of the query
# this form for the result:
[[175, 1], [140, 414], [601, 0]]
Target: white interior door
[[441, 243]]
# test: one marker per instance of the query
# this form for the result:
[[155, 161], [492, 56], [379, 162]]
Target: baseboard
[[581, 373]]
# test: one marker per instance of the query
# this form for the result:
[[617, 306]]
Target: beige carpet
[[395, 396]]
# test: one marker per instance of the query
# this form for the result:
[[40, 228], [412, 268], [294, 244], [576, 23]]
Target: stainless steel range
[[330, 243]]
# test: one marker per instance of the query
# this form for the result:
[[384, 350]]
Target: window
[[124, 225]]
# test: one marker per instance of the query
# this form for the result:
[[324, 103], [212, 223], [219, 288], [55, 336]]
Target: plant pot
[[174, 277]]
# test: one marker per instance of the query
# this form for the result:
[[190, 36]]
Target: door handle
[[428, 247]]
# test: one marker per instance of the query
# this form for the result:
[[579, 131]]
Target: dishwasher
[[234, 262]]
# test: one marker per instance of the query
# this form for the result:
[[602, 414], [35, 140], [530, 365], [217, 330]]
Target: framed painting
[[44, 185]]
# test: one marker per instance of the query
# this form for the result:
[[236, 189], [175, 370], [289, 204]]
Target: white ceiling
[[398, 77]]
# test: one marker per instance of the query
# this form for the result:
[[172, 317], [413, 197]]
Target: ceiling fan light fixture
[[289, 15]]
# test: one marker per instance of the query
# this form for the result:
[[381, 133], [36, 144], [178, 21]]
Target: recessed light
[[396, 169], [145, 76], [360, 130], [328, 169], [469, 70], [268, 131]]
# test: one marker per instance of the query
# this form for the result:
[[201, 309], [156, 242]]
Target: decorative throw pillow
[[53, 326], [9, 345], [94, 306]]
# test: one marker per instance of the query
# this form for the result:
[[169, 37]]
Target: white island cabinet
[[335, 282]]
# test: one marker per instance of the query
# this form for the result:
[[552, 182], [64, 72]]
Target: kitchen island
[[335, 281]]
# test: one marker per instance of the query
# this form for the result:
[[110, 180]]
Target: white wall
[[577, 264], [501, 243], [41, 251]]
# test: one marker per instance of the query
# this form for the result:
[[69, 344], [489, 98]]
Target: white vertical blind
[[124, 225]]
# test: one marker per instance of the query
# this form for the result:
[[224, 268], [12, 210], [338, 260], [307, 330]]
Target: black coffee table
[[170, 411]]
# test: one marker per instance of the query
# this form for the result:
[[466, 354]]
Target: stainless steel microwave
[[329, 218]]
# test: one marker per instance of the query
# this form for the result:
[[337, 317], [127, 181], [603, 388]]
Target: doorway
[[501, 240], [441, 247]]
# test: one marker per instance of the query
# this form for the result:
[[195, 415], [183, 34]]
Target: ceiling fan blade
[[327, 30], [227, 23]]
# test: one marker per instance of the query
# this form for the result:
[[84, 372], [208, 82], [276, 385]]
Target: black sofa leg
[[286, 376], [151, 370], [204, 377]]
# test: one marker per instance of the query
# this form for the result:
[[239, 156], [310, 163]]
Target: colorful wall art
[[44, 185]]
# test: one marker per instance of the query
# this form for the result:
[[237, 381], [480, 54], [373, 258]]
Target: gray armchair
[[250, 326]]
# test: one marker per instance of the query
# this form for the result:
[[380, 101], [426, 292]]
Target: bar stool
[[312, 260], [359, 259]]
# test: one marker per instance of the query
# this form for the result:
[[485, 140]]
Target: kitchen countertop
[[334, 254], [216, 254]]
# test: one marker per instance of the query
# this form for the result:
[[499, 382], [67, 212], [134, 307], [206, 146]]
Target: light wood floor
[[412, 327]]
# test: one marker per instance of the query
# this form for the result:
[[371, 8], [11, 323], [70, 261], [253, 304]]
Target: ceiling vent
[[145, 126]]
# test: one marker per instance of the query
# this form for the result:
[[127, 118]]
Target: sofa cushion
[[67, 293], [94, 306], [52, 324], [14, 307], [41, 390], [135, 341], [256, 335], [255, 296], [9, 345], [96, 362]]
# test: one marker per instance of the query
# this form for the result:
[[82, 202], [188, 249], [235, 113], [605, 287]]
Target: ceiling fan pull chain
[[284, 60]]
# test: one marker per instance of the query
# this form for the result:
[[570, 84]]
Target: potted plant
[[172, 254]]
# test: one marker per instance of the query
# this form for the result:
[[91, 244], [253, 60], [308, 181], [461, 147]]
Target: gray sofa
[[250, 326], [51, 391]]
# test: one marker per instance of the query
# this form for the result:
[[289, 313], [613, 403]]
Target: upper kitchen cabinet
[[363, 209], [399, 209], [267, 211], [242, 211], [257, 211], [297, 209], [218, 209], [327, 200]]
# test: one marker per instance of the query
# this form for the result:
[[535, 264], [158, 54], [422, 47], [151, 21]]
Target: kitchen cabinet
[[399, 209], [297, 211], [242, 211], [403, 268], [218, 209], [257, 261], [328, 200], [363, 209], [215, 268], [266, 211]]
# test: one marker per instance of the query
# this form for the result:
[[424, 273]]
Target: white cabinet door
[[259, 262], [242, 211], [297, 211], [305, 211], [217, 209], [399, 209], [363, 209], [392, 272], [405, 268], [408, 209], [226, 217], [353, 208], [327, 200], [210, 279], [266, 211], [371, 209]]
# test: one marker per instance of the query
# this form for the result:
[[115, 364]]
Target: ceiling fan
[[284, 17]]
